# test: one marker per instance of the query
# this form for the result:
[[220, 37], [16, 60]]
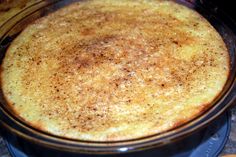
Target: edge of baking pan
[[17, 127]]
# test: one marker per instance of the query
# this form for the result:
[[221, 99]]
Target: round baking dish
[[11, 124]]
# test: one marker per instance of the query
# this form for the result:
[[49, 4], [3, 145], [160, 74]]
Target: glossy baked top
[[109, 70]]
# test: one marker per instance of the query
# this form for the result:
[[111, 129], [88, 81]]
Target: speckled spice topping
[[113, 70]]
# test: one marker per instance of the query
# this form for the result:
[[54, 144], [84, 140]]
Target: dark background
[[227, 6]]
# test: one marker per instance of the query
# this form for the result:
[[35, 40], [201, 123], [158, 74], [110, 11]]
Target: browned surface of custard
[[108, 70]]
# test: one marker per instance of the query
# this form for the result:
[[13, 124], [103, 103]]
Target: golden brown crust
[[113, 70]]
